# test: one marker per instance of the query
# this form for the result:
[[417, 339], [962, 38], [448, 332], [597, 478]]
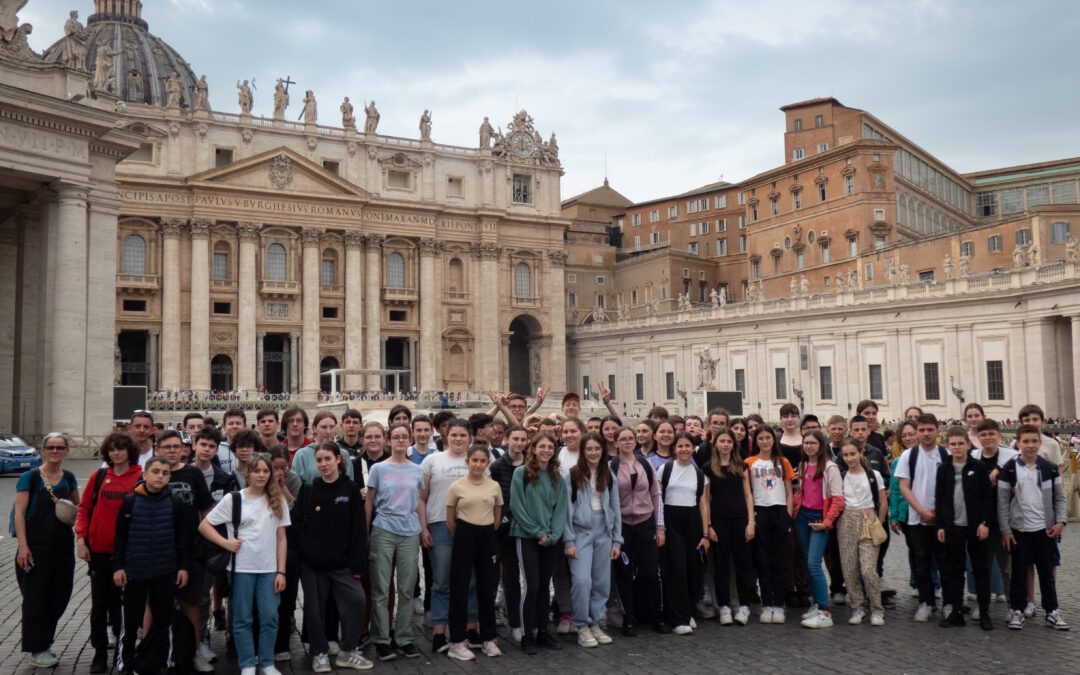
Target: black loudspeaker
[[127, 400], [728, 400]]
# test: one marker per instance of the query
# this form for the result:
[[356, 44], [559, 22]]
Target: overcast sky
[[675, 94]]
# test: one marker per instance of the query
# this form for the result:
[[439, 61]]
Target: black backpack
[[665, 478], [614, 465], [913, 458], [216, 559]]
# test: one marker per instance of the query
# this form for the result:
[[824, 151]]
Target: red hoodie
[[102, 525]]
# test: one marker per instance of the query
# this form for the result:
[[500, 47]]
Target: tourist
[[374, 451], [592, 425], [290, 485], [966, 501], [538, 501], [865, 503], [770, 479], [141, 428], [862, 428], [837, 429], [657, 414], [257, 571], [393, 491], [911, 413], [995, 455], [973, 417], [192, 424], [441, 469], [232, 422], [898, 507], [663, 446], [742, 437], [637, 573], [45, 562], [332, 540], [731, 525], [573, 430], [266, 423], [1050, 450], [294, 424], [592, 538], [789, 446], [917, 471], [1031, 515], [473, 511], [869, 410], [350, 441], [399, 414], [95, 530], [686, 521], [609, 426], [645, 435], [502, 472], [790, 442], [423, 443], [820, 503], [753, 423], [243, 445], [324, 430]]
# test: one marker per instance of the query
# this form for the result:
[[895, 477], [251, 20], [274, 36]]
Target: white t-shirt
[[857, 490], [925, 479], [682, 486], [443, 468], [567, 459], [258, 531]]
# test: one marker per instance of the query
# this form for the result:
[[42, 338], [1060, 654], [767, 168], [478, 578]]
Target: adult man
[[351, 424], [141, 428]]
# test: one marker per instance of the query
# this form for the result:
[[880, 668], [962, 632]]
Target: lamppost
[[957, 391], [798, 393]]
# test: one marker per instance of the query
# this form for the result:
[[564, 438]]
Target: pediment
[[281, 171], [144, 129], [399, 160]]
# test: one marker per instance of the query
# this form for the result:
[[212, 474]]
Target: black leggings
[[638, 579], [475, 553], [731, 549], [682, 562], [511, 578], [771, 542], [157, 594], [104, 601], [536, 564]]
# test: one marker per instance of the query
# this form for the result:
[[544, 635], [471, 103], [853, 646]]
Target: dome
[[141, 61]]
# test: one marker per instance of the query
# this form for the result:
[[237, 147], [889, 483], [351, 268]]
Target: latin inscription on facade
[[23, 139], [277, 310]]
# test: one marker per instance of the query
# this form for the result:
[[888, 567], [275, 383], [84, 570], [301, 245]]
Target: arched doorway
[[221, 373], [328, 363], [524, 357]]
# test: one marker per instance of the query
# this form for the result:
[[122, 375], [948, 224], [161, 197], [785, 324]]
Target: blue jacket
[[153, 534], [579, 511]]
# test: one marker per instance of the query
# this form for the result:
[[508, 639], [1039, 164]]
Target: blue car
[[16, 455]]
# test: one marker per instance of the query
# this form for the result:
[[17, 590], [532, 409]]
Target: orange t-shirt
[[767, 479]]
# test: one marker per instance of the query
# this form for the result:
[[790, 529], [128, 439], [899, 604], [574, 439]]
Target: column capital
[[354, 241], [429, 247], [375, 241], [172, 227], [67, 192], [557, 258], [309, 236], [486, 251], [248, 231], [200, 229]]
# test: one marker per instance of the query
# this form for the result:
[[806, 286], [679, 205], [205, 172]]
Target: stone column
[[354, 307], [248, 349], [152, 359], [199, 361], [259, 380], [430, 329], [309, 369], [414, 362], [1075, 325], [101, 344], [373, 307], [488, 328], [170, 302], [66, 371], [555, 377], [294, 363]]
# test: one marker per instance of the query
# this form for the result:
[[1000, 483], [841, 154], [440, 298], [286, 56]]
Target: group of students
[[649, 524]]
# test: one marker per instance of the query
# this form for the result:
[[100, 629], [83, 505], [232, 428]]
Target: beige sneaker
[[491, 649], [585, 637], [602, 638], [460, 651]]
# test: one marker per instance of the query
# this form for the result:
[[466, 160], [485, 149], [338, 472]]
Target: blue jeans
[[440, 572], [590, 572], [813, 545], [251, 590]]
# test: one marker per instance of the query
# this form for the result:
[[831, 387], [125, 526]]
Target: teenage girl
[[663, 450], [770, 479], [864, 499], [821, 501], [686, 520]]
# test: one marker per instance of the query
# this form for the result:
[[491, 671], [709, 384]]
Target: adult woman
[[538, 501], [731, 525], [663, 449], [820, 503], [45, 563], [637, 573], [770, 479], [592, 539], [95, 529], [333, 556], [686, 520], [393, 492], [973, 417], [258, 568], [864, 500]]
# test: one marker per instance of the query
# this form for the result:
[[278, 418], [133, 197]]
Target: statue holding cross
[[281, 97]]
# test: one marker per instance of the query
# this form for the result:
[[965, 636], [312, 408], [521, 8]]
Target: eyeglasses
[[55, 447], [170, 446], [260, 455]]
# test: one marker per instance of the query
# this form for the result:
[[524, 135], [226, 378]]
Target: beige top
[[475, 504]]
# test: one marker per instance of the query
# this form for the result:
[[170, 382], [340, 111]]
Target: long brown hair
[[736, 465], [823, 446], [532, 462], [273, 490], [579, 473]]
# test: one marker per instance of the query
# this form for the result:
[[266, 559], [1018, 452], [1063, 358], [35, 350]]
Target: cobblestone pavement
[[900, 646]]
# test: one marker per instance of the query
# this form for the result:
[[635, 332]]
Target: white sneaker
[[766, 615], [914, 593], [838, 598], [1000, 597], [283, 656], [742, 617], [968, 595], [564, 626], [354, 659], [818, 620], [500, 597], [585, 638], [1054, 620], [250, 670], [877, 618], [725, 616], [320, 663], [693, 624], [45, 659], [515, 634], [601, 637], [946, 610], [460, 651], [1030, 610], [269, 670], [112, 640], [682, 630], [201, 665], [857, 616], [706, 611], [332, 648], [778, 615], [418, 605], [810, 612], [491, 649], [922, 614], [974, 614], [208, 654]]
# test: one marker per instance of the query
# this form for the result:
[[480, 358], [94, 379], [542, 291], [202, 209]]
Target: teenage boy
[[1031, 514], [266, 423], [234, 421], [192, 424], [151, 554], [480, 424], [869, 410], [836, 428], [422, 431], [218, 483], [917, 471], [995, 455], [965, 507], [502, 471], [350, 441], [1050, 450], [658, 414]]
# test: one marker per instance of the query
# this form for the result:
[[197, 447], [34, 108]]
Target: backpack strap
[[665, 478], [236, 503], [873, 489], [700, 481], [99, 478]]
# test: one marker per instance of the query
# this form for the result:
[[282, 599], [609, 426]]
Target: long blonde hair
[[273, 491]]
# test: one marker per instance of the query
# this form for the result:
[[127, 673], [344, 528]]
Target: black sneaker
[[662, 628], [439, 644], [385, 652], [547, 640], [629, 630], [954, 619], [100, 664], [219, 620], [409, 651], [528, 645], [985, 622], [472, 639]]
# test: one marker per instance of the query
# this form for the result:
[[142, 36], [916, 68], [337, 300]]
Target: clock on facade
[[521, 144]]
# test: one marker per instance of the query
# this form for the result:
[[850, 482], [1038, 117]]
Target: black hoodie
[[331, 526]]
